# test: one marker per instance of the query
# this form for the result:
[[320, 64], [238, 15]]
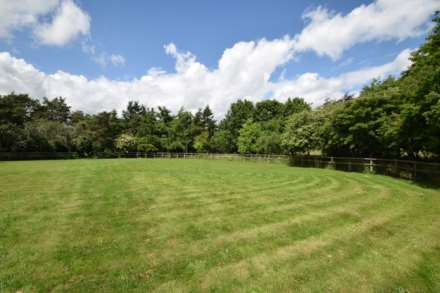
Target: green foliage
[[150, 130], [105, 128], [303, 133], [146, 144], [268, 143], [181, 132], [208, 121], [295, 105], [46, 135], [222, 142], [267, 110], [16, 109], [11, 137], [250, 133], [238, 113], [364, 126], [394, 117], [52, 110], [133, 116], [126, 143], [201, 142]]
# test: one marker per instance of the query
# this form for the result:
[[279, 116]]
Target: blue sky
[[100, 54]]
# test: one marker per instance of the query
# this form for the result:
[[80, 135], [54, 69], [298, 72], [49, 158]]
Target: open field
[[201, 225]]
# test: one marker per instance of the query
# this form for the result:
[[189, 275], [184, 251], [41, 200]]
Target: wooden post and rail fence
[[398, 168]]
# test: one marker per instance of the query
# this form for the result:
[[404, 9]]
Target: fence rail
[[398, 168]]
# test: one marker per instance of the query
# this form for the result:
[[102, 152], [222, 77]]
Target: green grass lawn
[[201, 225]]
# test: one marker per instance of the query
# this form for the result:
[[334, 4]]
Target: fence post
[[371, 166], [415, 170]]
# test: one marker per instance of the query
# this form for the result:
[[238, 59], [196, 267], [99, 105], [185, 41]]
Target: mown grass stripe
[[235, 190], [143, 225], [263, 210], [342, 211], [299, 248], [349, 262]]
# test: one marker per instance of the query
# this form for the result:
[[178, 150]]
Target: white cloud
[[15, 15], [243, 71], [117, 59], [68, 22], [316, 88], [88, 48], [183, 60], [102, 58], [330, 34], [239, 74]]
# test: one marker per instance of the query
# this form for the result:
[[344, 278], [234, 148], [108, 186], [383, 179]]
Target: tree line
[[391, 118]]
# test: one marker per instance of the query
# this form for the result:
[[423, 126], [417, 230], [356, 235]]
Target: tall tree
[[133, 116], [208, 121], [16, 108], [52, 110], [181, 132], [106, 126], [302, 134], [164, 119], [237, 115], [295, 105], [267, 110], [221, 142], [250, 133], [420, 88]]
